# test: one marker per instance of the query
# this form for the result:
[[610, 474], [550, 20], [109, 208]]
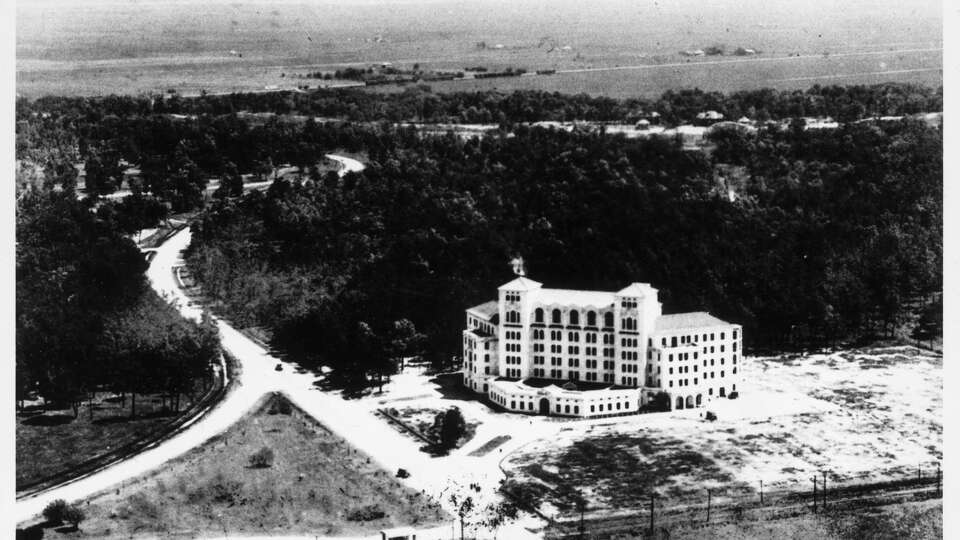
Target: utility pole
[[938, 478], [652, 495], [583, 507], [761, 492], [814, 494], [708, 506], [824, 491]]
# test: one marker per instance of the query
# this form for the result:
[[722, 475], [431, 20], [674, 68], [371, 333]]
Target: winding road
[[353, 420]]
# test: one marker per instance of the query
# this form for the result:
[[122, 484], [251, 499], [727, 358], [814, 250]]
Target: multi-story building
[[525, 348]]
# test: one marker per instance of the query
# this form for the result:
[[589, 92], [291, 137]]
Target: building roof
[[520, 284], [637, 289], [575, 297], [694, 319], [485, 310]]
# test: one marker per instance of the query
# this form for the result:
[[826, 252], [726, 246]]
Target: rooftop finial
[[517, 264]]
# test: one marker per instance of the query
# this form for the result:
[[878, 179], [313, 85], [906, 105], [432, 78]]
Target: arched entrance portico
[[689, 402], [679, 402], [544, 406], [699, 399]]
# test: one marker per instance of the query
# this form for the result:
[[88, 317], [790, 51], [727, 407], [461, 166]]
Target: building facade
[[593, 353]]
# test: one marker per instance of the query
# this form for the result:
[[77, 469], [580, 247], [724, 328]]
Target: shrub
[[74, 516], [262, 458], [54, 512], [454, 426], [280, 406], [369, 512], [660, 402], [402, 473], [711, 416], [734, 395], [30, 533]]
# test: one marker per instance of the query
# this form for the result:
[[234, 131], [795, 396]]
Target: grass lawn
[[52, 442], [316, 484]]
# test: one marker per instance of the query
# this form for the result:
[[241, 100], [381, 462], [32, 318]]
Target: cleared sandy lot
[[859, 415]]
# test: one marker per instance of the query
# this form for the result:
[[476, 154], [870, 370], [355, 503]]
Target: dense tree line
[[421, 104], [86, 321], [831, 235], [819, 235]]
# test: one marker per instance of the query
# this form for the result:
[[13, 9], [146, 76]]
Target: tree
[[452, 428], [465, 507], [231, 183], [102, 174], [403, 341], [499, 513], [660, 402], [55, 510], [262, 459], [74, 515]]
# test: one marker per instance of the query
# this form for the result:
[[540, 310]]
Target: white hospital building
[[595, 353]]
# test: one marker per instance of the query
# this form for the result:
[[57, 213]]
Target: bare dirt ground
[[861, 415]]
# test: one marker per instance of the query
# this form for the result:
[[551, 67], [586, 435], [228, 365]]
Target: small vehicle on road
[[279, 367]]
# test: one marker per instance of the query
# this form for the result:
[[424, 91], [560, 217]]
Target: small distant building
[[713, 116], [643, 125], [595, 353], [399, 533]]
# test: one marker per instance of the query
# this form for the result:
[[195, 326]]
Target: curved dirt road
[[257, 378]]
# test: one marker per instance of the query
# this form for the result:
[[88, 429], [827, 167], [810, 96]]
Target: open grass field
[[50, 441], [315, 484], [861, 415], [101, 46]]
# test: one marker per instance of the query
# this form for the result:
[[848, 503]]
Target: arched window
[[575, 318], [513, 316], [608, 320], [591, 318], [538, 315], [555, 316]]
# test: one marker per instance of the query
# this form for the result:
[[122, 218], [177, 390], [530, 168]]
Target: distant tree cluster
[[828, 235], [491, 106]]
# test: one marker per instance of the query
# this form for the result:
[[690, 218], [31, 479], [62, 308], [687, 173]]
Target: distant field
[[115, 47]]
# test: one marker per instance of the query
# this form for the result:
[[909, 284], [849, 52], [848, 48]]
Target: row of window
[[690, 338], [574, 337], [711, 375], [573, 318]]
